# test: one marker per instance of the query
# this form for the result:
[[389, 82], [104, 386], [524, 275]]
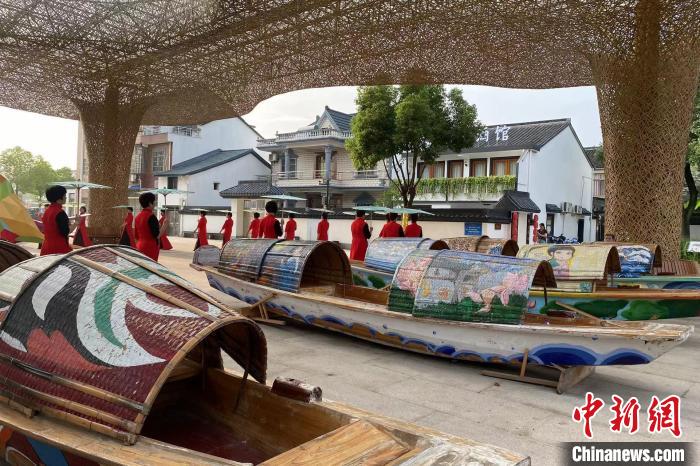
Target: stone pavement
[[456, 398]]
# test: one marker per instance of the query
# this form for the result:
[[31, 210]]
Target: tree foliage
[[692, 161], [400, 126], [29, 173]]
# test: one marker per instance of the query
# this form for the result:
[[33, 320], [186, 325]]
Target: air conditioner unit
[[566, 207], [578, 209]]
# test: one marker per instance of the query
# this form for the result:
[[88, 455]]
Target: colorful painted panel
[[243, 258], [575, 261], [283, 265], [407, 278], [635, 260], [80, 322], [464, 243], [472, 287], [387, 253], [497, 247], [19, 449]]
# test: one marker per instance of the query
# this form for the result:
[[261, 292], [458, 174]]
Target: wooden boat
[[587, 280], [385, 254], [11, 254], [383, 257], [452, 304], [108, 358]]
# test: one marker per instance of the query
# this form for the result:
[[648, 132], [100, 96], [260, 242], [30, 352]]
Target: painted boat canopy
[[387, 253], [11, 254], [286, 265], [92, 336], [637, 259], [484, 245], [576, 261], [467, 286]]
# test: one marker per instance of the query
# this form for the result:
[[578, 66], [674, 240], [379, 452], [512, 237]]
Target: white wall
[[201, 184], [230, 133], [558, 173]]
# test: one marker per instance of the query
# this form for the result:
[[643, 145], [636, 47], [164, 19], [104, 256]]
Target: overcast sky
[[56, 138]]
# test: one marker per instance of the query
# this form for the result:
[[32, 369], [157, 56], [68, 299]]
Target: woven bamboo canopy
[[117, 64]]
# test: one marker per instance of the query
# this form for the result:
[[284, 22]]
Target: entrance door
[[581, 224]]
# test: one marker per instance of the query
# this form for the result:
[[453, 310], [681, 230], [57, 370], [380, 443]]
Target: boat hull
[[621, 305], [494, 343], [660, 282]]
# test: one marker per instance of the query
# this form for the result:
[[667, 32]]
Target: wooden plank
[[571, 376], [358, 443]]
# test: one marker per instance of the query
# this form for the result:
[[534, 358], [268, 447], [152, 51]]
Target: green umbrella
[[283, 197], [409, 211], [165, 192], [78, 185]]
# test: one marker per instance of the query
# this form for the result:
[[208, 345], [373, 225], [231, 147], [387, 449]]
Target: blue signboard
[[472, 228]]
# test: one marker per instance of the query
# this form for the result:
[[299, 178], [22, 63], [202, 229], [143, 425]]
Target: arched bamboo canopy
[[117, 64]]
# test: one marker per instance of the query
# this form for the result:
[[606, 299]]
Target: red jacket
[[128, 229], [254, 228], [322, 230], [358, 248], [228, 229], [145, 241], [202, 231], [55, 242], [83, 239], [267, 227], [391, 230], [413, 230], [290, 228]]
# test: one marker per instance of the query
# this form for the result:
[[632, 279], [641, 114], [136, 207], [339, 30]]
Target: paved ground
[[455, 398]]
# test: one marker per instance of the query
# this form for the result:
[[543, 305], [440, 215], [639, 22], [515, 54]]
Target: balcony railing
[[305, 135], [373, 177], [191, 131]]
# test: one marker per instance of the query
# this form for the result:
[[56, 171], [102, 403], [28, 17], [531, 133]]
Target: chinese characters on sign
[[661, 414], [500, 134]]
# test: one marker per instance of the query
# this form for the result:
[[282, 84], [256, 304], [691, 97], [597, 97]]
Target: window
[[216, 186], [137, 160], [172, 182], [496, 226], [158, 157], [477, 167], [436, 170], [320, 166], [505, 166], [455, 169], [290, 171]]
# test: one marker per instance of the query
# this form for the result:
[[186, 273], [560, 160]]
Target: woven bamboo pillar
[[110, 130], [645, 100]]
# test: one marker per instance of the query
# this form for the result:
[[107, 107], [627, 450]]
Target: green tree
[[41, 175], [402, 126], [16, 165], [692, 161], [64, 174]]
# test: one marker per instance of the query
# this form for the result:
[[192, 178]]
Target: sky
[[56, 138]]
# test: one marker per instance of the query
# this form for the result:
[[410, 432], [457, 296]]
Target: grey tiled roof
[[251, 189], [517, 201], [530, 135], [553, 209], [209, 160], [342, 120], [592, 159]]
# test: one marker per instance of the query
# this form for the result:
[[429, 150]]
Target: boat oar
[[597, 320]]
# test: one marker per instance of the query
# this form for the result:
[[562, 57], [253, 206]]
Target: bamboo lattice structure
[[117, 64]]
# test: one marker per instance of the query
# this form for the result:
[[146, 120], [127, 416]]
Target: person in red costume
[[56, 224], [290, 228], [269, 226], [201, 231], [227, 229], [322, 229], [413, 230], [127, 238], [146, 228], [361, 232], [391, 229], [254, 227], [81, 237], [163, 224]]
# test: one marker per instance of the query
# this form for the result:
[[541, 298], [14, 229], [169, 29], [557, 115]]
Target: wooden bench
[[678, 267]]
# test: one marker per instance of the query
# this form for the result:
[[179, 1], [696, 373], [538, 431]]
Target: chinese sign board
[[472, 228]]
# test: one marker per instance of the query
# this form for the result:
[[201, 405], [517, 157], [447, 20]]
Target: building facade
[[158, 148], [313, 163], [544, 159]]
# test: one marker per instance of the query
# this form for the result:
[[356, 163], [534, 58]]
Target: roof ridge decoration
[[119, 64]]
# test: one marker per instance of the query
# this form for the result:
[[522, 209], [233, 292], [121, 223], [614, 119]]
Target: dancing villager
[[81, 237], [361, 232], [254, 227], [391, 228], [127, 236], [269, 226], [227, 229], [201, 230], [147, 228], [413, 230], [163, 222], [56, 223], [322, 229]]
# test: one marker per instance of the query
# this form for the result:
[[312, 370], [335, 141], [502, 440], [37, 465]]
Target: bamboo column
[[110, 127]]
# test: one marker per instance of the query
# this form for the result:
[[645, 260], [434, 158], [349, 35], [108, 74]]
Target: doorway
[[581, 226]]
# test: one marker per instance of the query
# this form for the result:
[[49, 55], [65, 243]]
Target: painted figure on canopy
[[56, 223], [81, 237], [561, 257]]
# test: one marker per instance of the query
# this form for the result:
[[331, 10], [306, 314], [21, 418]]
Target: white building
[[544, 159], [204, 177]]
